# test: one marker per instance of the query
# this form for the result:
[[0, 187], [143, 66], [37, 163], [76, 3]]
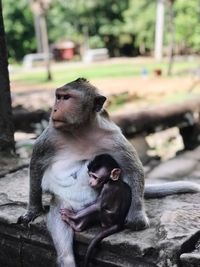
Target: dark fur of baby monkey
[[110, 208]]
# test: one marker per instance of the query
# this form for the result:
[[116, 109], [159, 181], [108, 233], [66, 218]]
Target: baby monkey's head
[[101, 169]]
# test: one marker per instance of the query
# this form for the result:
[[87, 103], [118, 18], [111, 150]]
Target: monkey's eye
[[92, 175], [65, 97], [58, 97]]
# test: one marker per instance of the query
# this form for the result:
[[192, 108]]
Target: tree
[[186, 23], [171, 34], [140, 18], [73, 19], [6, 123], [20, 36], [39, 8]]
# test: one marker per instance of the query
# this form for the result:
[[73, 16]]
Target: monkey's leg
[[62, 235], [137, 218]]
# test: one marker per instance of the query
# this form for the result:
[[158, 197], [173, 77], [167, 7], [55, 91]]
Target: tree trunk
[[6, 124], [171, 41], [45, 44]]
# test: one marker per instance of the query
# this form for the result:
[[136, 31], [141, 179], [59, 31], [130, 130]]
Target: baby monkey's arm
[[81, 219]]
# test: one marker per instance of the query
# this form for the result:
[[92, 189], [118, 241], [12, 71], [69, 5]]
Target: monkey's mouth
[[58, 123]]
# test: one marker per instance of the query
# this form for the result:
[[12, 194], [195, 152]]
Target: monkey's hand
[[137, 221], [77, 227], [64, 217], [29, 216], [67, 213]]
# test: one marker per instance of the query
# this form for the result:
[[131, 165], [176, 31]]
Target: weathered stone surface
[[194, 154], [174, 168], [190, 259], [191, 252], [12, 164], [174, 220], [15, 186]]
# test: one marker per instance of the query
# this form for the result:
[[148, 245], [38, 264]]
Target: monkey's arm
[[133, 175], [86, 212], [79, 221], [38, 164]]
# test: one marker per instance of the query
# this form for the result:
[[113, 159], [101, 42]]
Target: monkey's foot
[[138, 221], [71, 223], [64, 217], [29, 216]]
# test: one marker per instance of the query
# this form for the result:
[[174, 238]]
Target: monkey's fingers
[[64, 218], [67, 212]]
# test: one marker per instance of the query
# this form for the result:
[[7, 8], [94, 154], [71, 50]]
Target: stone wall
[[173, 238]]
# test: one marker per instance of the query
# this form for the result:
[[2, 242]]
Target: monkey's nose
[[55, 110]]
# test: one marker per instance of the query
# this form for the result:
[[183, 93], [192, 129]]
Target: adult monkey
[[78, 130]]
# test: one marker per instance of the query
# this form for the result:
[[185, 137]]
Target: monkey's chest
[[68, 181]]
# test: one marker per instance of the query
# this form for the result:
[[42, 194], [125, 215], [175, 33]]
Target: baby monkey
[[111, 206]]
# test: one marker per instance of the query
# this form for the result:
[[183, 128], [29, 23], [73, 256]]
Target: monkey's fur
[[112, 204], [76, 133]]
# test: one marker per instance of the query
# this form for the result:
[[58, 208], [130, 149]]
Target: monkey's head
[[102, 169], [76, 104]]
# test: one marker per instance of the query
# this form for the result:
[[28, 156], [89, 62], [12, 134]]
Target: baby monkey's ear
[[115, 174]]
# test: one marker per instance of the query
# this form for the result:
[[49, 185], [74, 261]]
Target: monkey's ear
[[98, 102], [115, 174]]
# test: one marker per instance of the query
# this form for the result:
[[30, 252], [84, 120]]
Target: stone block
[[173, 169]]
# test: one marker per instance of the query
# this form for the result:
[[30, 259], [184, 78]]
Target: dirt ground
[[118, 85], [144, 92]]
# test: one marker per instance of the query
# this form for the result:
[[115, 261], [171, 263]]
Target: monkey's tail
[[170, 188], [106, 232]]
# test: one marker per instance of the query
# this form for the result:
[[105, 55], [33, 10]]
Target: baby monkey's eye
[[92, 175]]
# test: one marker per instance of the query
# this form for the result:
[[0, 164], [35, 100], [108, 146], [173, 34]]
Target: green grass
[[62, 75]]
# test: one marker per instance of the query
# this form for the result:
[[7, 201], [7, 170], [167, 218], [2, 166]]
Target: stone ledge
[[174, 221]]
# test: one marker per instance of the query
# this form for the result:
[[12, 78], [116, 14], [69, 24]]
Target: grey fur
[[80, 145], [170, 188]]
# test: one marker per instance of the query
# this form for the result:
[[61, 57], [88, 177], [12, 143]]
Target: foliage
[[121, 26], [19, 28], [80, 18], [187, 23], [140, 21]]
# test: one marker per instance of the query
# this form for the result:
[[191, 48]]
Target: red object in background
[[158, 72], [67, 53], [63, 50]]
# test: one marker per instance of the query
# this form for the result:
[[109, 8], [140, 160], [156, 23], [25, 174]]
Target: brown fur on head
[[76, 104]]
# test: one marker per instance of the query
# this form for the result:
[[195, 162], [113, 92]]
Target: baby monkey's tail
[[106, 232]]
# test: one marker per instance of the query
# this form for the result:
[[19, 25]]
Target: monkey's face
[[98, 178], [74, 108], [66, 106]]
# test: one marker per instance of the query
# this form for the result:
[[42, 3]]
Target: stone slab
[[173, 169], [190, 259], [193, 154], [9, 165], [173, 220]]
